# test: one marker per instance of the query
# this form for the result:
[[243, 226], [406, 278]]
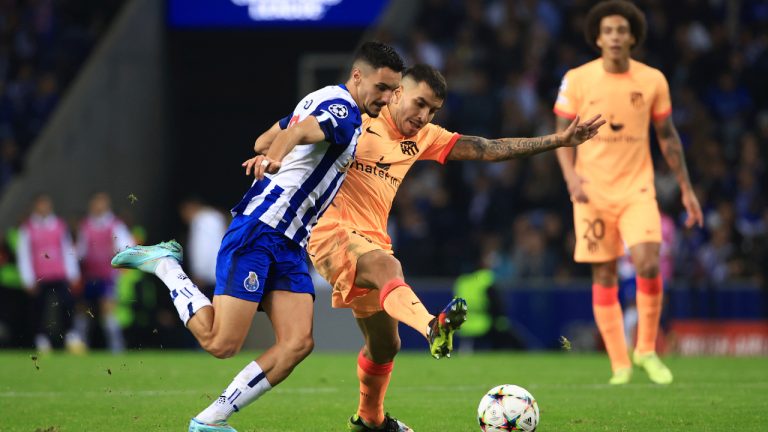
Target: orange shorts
[[334, 248], [603, 229]]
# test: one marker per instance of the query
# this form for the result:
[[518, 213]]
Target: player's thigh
[[243, 263], [597, 233], [382, 339], [291, 314], [232, 319], [335, 250], [640, 222]]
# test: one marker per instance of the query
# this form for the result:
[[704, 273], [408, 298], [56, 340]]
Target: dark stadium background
[[147, 107]]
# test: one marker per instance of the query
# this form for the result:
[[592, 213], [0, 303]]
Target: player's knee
[[385, 349], [300, 347], [222, 350], [383, 265], [392, 266], [605, 275], [647, 268]]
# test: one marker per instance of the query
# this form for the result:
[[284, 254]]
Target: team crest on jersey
[[251, 282], [637, 99], [339, 110], [409, 148]]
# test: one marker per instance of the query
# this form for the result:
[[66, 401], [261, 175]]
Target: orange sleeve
[[567, 103], [438, 141], [662, 102]]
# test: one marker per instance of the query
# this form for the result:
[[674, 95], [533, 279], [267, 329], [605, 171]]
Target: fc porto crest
[[636, 98], [409, 148], [251, 282]]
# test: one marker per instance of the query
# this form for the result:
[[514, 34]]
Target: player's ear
[[357, 75], [397, 94]]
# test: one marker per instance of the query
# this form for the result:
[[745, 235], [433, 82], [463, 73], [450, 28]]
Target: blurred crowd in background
[[504, 60], [43, 44]]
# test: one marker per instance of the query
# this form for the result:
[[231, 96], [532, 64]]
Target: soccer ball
[[508, 408]]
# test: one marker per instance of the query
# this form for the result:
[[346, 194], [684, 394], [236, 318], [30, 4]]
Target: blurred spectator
[[487, 327], [207, 227], [100, 236], [49, 271]]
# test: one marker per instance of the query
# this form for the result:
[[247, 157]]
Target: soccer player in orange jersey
[[610, 180], [350, 246]]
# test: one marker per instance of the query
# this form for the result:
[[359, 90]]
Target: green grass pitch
[[160, 391]]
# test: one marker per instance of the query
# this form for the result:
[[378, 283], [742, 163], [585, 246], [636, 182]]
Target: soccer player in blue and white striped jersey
[[300, 164]]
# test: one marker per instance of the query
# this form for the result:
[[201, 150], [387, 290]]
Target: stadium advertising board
[[191, 14]]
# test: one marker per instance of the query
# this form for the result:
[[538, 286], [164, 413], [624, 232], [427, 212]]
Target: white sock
[[114, 334], [247, 386], [185, 295], [80, 325]]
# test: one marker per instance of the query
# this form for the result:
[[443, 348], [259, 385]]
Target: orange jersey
[[617, 162], [382, 159]]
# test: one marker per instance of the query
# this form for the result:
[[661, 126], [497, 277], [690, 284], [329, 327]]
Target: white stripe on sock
[[247, 386], [185, 295]]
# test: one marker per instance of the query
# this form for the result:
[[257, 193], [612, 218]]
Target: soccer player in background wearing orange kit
[[610, 181], [351, 249]]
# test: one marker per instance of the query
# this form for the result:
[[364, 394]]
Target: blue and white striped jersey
[[292, 200]]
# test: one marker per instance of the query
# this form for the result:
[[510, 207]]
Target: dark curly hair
[[628, 10], [431, 76], [380, 55]]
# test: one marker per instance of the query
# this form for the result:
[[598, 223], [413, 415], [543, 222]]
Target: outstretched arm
[[500, 149], [672, 149]]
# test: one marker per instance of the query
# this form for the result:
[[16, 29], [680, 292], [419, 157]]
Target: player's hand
[[693, 208], [576, 189], [577, 133], [261, 165]]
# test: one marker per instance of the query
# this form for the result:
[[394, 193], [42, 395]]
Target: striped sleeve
[[338, 119]]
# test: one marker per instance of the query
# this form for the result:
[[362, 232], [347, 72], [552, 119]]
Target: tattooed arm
[[479, 148], [672, 149]]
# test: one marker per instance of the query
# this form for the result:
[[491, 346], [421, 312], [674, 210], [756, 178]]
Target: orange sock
[[400, 302], [610, 322], [374, 380], [649, 296]]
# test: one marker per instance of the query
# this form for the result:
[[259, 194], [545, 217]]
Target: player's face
[[413, 106], [615, 38], [375, 88]]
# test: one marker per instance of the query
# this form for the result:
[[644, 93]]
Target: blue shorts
[[255, 258], [97, 289]]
